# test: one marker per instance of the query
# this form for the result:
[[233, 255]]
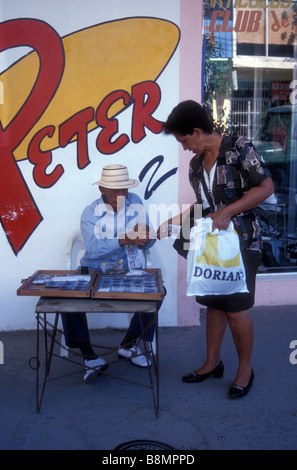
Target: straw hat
[[116, 177]]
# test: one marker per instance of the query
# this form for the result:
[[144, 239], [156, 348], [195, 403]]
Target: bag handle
[[206, 192]]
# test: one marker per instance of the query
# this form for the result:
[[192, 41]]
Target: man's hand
[[139, 236]]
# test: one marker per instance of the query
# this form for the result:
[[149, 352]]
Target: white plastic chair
[[75, 249]]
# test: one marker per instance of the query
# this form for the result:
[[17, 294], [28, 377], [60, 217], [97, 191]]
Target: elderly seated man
[[111, 227]]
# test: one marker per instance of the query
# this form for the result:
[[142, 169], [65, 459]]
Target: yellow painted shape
[[211, 248], [98, 61]]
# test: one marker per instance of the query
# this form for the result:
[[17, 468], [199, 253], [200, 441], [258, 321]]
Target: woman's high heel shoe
[[237, 391], [217, 373]]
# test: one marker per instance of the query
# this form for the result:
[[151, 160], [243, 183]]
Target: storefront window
[[250, 86]]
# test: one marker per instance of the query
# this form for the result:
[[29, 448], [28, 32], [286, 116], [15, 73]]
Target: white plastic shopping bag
[[214, 263]]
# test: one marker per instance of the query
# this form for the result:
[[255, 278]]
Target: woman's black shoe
[[236, 391], [217, 373]]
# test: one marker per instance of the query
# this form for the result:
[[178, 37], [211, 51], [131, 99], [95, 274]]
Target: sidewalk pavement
[[109, 412]]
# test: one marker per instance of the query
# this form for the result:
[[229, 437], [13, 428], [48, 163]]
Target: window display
[[249, 85]]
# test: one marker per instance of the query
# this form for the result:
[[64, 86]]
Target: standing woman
[[229, 180]]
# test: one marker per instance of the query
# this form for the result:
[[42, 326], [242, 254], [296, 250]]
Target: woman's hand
[[164, 229], [249, 200], [221, 219]]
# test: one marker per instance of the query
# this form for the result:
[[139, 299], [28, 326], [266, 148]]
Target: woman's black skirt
[[240, 301]]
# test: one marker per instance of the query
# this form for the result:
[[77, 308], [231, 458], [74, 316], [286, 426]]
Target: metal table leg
[[155, 361], [55, 306], [48, 355]]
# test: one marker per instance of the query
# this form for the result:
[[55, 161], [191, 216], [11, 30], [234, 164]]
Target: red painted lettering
[[241, 21], [19, 213], [213, 28], [110, 126], [225, 28], [41, 160], [77, 125], [146, 97], [254, 22], [276, 25]]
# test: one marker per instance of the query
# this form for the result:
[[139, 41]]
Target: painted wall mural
[[65, 88]]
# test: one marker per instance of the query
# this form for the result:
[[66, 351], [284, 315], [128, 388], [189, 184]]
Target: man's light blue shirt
[[101, 226]]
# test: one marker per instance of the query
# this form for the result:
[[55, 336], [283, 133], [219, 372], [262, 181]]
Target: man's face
[[114, 197]]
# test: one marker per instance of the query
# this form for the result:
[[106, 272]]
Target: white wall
[[62, 204]]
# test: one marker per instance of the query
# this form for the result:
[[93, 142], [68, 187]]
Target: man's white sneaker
[[135, 355], [141, 361], [93, 368]]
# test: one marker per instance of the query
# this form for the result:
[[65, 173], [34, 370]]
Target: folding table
[[71, 292]]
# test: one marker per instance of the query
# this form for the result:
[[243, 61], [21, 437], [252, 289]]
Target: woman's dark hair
[[187, 116]]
